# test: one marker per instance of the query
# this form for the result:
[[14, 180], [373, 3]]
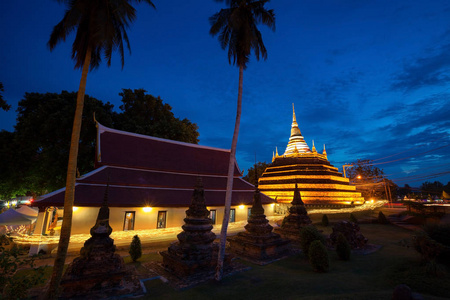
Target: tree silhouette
[[237, 30], [100, 29]]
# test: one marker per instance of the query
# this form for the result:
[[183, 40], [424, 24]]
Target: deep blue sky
[[368, 78]]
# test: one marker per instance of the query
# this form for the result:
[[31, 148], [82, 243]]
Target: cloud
[[425, 71]]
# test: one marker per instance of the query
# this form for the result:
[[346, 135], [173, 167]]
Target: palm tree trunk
[[53, 288], [228, 194]]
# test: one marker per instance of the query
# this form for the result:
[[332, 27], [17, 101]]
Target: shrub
[[318, 257], [382, 218], [309, 234], [325, 221], [353, 218], [135, 248], [343, 248], [439, 233], [436, 245], [12, 286], [427, 247]]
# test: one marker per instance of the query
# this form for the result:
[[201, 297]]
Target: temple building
[[319, 182], [150, 185]]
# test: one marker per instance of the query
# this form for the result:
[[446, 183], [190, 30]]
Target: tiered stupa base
[[258, 243], [195, 253], [99, 272], [297, 218], [102, 273], [291, 226], [260, 250]]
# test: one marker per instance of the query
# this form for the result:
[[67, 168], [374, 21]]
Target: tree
[[237, 29], [43, 131], [404, 191], [100, 28], [33, 158], [432, 188], [11, 180], [368, 179], [145, 114], [3, 105], [260, 168]]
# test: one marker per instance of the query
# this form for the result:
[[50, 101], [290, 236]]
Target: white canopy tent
[[17, 217]]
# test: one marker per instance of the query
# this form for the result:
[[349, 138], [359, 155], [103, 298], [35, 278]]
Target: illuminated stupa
[[319, 182]]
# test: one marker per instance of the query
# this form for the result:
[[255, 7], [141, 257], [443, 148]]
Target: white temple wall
[[144, 218]]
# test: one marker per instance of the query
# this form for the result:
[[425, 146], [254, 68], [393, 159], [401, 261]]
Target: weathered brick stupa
[[319, 182], [195, 251], [99, 272], [295, 220], [258, 243]]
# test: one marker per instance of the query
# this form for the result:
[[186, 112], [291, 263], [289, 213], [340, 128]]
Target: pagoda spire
[[276, 151], [314, 147], [296, 142], [295, 131], [324, 151], [294, 120]]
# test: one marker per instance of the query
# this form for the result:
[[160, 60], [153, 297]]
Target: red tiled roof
[[126, 149], [144, 170]]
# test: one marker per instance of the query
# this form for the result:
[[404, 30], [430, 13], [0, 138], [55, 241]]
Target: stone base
[[107, 285], [182, 267], [292, 235], [260, 250]]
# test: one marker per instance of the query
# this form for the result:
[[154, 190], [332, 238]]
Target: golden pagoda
[[319, 182]]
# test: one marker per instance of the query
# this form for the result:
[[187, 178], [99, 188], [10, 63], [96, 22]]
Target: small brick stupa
[[99, 271], [195, 252], [258, 243], [297, 218]]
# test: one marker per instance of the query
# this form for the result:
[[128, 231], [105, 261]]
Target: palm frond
[[100, 25], [237, 25]]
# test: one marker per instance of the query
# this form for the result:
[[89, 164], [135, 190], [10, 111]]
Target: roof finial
[[294, 120], [324, 151], [276, 151], [314, 147]]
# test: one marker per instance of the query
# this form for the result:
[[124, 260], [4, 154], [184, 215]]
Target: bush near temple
[[318, 256], [353, 218], [325, 221], [343, 248], [382, 218], [135, 248], [308, 235]]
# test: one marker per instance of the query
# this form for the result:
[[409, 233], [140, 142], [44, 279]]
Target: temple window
[[128, 223], [212, 215], [232, 215], [161, 219]]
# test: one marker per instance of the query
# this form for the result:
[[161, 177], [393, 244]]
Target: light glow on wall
[[241, 206], [75, 208], [147, 209]]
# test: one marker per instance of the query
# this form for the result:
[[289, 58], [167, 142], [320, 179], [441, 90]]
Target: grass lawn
[[371, 276]]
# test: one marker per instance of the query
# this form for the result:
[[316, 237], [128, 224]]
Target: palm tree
[[100, 29], [236, 26]]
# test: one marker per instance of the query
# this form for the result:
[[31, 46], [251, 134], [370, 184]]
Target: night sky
[[370, 79]]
